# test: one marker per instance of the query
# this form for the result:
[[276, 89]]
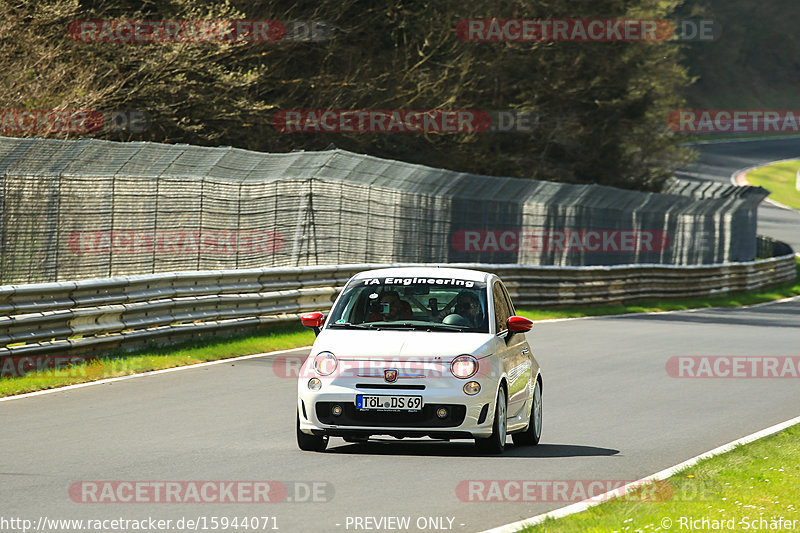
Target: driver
[[469, 306]]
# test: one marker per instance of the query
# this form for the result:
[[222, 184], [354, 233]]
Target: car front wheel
[[496, 443], [310, 443]]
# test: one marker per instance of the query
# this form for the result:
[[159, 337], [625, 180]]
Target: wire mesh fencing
[[91, 208]]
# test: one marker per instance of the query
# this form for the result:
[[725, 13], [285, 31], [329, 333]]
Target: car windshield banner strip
[[445, 282]]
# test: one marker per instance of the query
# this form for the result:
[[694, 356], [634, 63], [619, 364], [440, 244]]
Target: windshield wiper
[[424, 327], [369, 325]]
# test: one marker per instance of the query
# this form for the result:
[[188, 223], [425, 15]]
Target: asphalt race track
[[717, 162], [611, 412]]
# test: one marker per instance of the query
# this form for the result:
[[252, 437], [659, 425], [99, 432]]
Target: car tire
[[496, 443], [310, 443], [533, 433]]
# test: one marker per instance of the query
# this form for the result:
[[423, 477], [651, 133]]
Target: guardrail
[[85, 317], [766, 247]]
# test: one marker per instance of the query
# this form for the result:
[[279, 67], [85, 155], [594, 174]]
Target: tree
[[599, 108]]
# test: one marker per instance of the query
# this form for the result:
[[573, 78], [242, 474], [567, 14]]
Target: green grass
[[187, 353], [295, 336], [741, 137], [760, 479], [779, 179], [652, 306]]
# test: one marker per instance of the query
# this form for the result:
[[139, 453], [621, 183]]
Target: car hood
[[348, 344]]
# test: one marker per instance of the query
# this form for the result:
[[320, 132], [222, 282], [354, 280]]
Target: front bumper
[[467, 416]]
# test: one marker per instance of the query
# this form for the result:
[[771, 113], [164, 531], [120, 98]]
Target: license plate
[[388, 403]]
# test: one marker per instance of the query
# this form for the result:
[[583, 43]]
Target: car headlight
[[325, 363], [464, 366]]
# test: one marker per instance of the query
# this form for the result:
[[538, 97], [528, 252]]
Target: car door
[[516, 352]]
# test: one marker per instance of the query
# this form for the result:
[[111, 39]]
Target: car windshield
[[446, 304]]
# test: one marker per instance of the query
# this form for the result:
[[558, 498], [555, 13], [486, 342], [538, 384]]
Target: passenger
[[398, 309]]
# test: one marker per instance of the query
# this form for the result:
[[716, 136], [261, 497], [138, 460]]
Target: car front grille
[[426, 417], [388, 386]]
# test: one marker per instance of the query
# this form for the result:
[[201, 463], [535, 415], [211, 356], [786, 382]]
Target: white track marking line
[[659, 476], [150, 373]]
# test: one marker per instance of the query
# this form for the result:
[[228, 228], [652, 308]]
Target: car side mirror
[[518, 324], [313, 320]]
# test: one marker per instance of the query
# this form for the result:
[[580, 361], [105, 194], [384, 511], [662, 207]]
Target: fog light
[[336, 410], [314, 384], [472, 388], [441, 412]]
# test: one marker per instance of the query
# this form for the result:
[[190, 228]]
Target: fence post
[[111, 230], [155, 224], [3, 244], [58, 225], [238, 226], [200, 221]]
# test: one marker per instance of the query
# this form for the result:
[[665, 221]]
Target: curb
[[659, 476]]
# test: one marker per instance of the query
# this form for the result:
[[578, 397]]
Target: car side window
[[501, 309], [511, 311]]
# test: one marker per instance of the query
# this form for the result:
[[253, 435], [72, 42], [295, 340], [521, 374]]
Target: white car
[[416, 352]]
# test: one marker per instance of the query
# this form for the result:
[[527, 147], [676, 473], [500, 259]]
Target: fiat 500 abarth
[[420, 352]]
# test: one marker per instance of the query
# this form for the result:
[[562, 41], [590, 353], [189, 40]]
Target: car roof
[[426, 272]]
